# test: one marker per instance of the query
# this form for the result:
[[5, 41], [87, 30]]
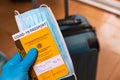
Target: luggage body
[[82, 44]]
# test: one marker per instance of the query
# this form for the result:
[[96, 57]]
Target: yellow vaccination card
[[49, 64]]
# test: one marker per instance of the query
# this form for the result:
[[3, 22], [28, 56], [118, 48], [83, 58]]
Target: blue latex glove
[[17, 68]]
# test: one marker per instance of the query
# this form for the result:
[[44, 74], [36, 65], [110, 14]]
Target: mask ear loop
[[21, 25], [35, 5], [16, 12], [43, 5], [42, 15]]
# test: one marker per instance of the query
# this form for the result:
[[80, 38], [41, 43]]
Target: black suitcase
[[83, 47], [82, 44]]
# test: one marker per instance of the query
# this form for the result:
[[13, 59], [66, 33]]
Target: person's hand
[[17, 68]]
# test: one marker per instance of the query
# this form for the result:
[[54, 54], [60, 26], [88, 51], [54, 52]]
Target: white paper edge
[[102, 6]]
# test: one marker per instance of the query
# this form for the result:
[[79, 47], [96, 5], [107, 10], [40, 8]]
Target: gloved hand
[[17, 68]]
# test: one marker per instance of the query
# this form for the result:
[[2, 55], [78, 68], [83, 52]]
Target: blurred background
[[106, 24]]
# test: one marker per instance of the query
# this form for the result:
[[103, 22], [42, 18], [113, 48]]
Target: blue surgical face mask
[[38, 15]]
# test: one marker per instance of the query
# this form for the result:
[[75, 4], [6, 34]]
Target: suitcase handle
[[67, 22]]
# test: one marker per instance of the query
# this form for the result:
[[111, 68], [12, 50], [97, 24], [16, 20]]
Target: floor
[[107, 26]]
